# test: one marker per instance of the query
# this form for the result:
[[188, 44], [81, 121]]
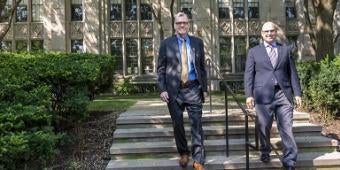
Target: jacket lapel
[[193, 50], [264, 53], [174, 45]]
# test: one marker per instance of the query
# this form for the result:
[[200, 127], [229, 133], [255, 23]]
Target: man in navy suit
[[271, 82], [182, 81]]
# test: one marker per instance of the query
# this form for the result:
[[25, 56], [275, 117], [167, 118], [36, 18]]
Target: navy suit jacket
[[259, 74], [169, 65]]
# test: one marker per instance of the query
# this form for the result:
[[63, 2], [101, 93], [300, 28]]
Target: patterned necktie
[[272, 55], [184, 59]]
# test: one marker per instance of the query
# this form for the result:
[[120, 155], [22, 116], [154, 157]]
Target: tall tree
[[322, 34], [157, 13], [172, 15], [4, 15]]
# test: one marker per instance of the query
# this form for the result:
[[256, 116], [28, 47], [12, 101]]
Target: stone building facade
[[128, 30]]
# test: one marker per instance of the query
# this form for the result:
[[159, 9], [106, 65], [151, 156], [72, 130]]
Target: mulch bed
[[93, 139]]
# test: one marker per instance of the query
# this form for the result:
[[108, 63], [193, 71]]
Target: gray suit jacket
[[169, 66], [259, 74]]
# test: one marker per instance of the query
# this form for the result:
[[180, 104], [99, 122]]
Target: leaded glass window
[[131, 10], [238, 8], [240, 53], [77, 46], [225, 54], [117, 53], [253, 9], [115, 10], [132, 56], [186, 7], [6, 11], [37, 10], [147, 56], [37, 45], [76, 10], [21, 12], [223, 9], [290, 9], [254, 41], [21, 45], [6, 46], [292, 44], [145, 11]]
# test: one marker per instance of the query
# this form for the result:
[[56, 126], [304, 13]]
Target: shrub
[[41, 95], [321, 87], [123, 87]]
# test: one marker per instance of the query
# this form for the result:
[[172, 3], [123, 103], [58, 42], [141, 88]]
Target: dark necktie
[[272, 55], [184, 59]]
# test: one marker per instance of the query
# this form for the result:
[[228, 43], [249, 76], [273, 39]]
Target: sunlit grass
[[118, 103]]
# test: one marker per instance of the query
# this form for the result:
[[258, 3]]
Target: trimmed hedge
[[321, 87], [41, 96]]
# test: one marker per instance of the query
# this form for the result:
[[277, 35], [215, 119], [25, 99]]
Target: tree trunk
[[172, 16], [324, 28], [157, 13], [311, 31]]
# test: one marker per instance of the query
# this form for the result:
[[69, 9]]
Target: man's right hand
[[250, 102], [164, 96]]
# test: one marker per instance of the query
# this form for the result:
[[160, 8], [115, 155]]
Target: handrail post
[[226, 120], [247, 140], [210, 68], [256, 134]]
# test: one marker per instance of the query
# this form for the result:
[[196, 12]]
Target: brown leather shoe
[[198, 166], [183, 161]]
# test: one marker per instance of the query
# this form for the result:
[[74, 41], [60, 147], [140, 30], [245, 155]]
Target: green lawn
[[117, 103]]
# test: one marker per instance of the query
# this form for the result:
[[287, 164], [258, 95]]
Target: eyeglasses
[[180, 23], [268, 31]]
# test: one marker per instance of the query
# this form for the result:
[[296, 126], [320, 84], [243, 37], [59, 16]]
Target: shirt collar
[[274, 45], [180, 38]]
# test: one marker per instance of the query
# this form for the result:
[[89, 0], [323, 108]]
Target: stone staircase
[[144, 140]]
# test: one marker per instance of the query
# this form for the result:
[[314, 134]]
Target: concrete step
[[144, 140], [235, 115], [209, 131], [308, 160], [217, 145]]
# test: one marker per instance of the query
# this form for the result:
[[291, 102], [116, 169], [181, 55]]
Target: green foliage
[[321, 87], [41, 95], [123, 87]]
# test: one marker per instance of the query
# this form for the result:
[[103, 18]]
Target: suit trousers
[[189, 98], [282, 109]]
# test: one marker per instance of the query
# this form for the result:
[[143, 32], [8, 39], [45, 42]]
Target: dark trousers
[[189, 98], [282, 109]]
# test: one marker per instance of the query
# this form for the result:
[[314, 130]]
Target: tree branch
[[10, 19]]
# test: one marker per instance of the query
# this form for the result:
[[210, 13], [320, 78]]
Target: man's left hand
[[298, 101]]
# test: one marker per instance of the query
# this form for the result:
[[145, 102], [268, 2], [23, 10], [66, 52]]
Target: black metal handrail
[[246, 113]]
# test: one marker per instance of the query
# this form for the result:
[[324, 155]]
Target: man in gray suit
[[270, 80], [182, 81]]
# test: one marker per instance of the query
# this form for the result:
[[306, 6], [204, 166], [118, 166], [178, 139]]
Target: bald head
[[268, 26], [269, 32]]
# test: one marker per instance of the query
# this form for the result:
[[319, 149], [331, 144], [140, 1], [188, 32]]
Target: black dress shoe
[[289, 168], [265, 158]]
